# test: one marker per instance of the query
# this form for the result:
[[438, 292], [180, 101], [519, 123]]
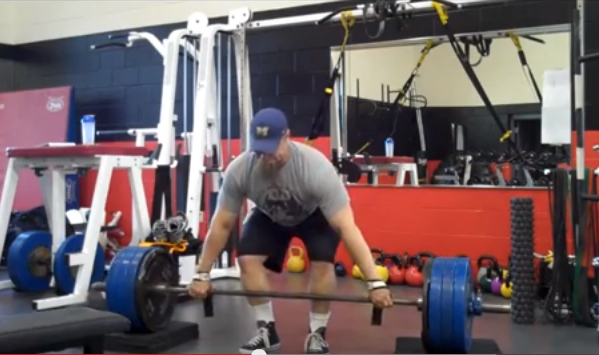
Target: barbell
[[143, 286]]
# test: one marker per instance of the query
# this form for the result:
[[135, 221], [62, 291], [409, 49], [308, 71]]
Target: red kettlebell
[[414, 272], [397, 272]]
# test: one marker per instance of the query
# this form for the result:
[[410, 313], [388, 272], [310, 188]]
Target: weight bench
[[59, 329]]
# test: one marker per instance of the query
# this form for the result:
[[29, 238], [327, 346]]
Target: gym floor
[[349, 331]]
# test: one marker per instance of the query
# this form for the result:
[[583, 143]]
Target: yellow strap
[[363, 148], [347, 21], [442, 12], [425, 52], [515, 40], [505, 136], [180, 247]]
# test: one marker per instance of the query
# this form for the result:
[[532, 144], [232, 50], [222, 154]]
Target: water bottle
[[88, 129], [389, 147]]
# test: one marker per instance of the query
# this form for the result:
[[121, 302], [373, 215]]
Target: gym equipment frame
[[52, 163], [165, 131]]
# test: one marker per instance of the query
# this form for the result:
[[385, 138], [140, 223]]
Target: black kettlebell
[[340, 269]]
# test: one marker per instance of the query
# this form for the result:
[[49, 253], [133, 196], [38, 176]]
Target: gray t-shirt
[[308, 181]]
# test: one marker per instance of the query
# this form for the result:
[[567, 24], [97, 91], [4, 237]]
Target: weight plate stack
[[449, 320], [28, 261], [521, 268], [133, 272], [64, 274]]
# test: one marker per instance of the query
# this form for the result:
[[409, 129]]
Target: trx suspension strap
[[524, 63], [482, 46], [444, 18], [318, 122], [401, 94]]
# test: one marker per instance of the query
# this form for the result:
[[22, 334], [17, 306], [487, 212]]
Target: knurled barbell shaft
[[287, 295], [101, 286]]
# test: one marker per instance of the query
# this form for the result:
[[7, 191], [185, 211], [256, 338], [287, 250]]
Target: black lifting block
[[176, 334]]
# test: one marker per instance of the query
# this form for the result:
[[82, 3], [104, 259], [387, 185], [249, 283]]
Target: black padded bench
[[59, 329]]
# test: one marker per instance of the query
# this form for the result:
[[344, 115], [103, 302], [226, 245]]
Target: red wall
[[445, 221]]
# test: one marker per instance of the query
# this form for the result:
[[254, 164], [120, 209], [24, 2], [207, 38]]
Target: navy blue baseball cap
[[267, 128]]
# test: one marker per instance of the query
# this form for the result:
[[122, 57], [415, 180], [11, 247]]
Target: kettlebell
[[381, 269], [340, 269], [414, 272], [506, 287], [376, 254], [502, 274], [487, 264], [397, 272], [356, 273], [497, 282], [295, 262]]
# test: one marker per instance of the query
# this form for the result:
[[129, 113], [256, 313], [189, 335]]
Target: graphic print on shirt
[[282, 206]]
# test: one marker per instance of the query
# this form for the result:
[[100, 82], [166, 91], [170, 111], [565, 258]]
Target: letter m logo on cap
[[262, 131]]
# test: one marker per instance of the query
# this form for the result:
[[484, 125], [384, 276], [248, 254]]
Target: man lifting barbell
[[297, 192]]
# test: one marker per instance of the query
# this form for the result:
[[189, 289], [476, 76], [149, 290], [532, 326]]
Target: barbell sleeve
[[496, 308]]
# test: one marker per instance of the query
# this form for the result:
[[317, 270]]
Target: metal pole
[[489, 308], [185, 59], [496, 308], [342, 106], [219, 101], [579, 124], [229, 41]]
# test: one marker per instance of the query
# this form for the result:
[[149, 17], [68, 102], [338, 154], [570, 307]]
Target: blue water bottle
[[88, 129], [389, 147]]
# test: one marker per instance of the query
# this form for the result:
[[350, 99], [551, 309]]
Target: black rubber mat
[[414, 346], [178, 333]]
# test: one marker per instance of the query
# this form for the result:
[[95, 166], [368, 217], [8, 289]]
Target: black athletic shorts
[[261, 236]]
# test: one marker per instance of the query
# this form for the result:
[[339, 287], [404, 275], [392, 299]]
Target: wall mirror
[[443, 124]]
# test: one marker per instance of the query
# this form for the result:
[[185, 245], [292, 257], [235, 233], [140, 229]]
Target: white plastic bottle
[[88, 129], [389, 147]]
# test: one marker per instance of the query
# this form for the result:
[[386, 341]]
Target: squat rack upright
[[580, 198]]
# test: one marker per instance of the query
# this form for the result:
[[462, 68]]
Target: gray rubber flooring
[[349, 331]]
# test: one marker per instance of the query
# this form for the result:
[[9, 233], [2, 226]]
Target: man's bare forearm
[[360, 252], [215, 242]]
